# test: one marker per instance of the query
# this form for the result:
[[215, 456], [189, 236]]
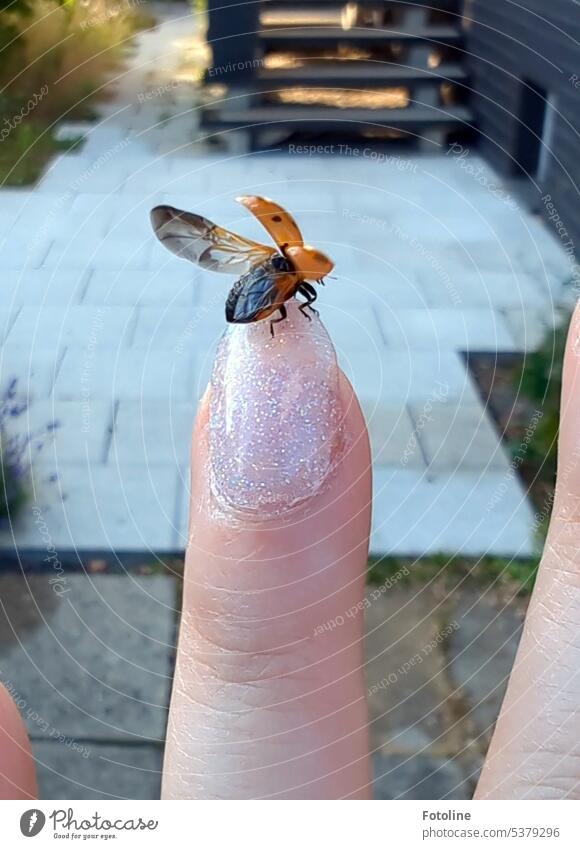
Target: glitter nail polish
[[274, 413]]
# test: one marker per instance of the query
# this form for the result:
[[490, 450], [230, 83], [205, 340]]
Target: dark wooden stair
[[323, 117], [354, 75], [286, 5], [299, 36], [403, 63]]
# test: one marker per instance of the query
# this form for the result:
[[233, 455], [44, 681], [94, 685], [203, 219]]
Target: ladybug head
[[310, 262]]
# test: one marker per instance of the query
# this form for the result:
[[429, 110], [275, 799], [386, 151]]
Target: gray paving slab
[[529, 327], [392, 287], [34, 367], [98, 210], [481, 653], [32, 210], [491, 289], [405, 670], [447, 329], [354, 329], [62, 224], [8, 316], [68, 431], [467, 223], [77, 238], [67, 172], [88, 657], [542, 255], [13, 202], [121, 506], [43, 287], [419, 777], [467, 513], [152, 432], [129, 374], [112, 254], [134, 225], [483, 256], [97, 771], [83, 328], [172, 328], [137, 288], [151, 175], [400, 377], [20, 251], [392, 436], [455, 437]]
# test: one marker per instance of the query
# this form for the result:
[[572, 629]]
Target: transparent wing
[[199, 240]]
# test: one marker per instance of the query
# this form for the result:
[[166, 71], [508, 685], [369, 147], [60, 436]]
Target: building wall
[[509, 45], [232, 37]]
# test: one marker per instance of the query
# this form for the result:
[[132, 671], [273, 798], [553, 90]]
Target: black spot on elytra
[[277, 218]]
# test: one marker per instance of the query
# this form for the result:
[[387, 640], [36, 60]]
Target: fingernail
[[274, 413]]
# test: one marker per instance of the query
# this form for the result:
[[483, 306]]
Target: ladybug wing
[[258, 294], [279, 223], [199, 240]]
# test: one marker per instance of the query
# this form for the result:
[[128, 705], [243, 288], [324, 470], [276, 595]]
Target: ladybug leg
[[283, 315], [309, 293]]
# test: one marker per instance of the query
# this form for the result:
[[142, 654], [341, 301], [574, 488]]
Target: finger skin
[[534, 753], [17, 770], [267, 703]]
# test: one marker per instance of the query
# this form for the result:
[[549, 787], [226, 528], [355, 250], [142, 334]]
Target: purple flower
[[15, 452]]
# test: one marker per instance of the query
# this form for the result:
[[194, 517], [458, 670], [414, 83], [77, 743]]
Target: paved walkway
[[113, 337], [435, 667]]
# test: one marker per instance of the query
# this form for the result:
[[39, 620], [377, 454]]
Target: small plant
[[537, 389], [15, 454], [541, 382], [14, 492]]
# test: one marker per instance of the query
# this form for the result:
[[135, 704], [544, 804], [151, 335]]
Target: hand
[[535, 748], [264, 704], [268, 698]]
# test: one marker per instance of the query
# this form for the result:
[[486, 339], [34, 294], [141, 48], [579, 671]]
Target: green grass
[[66, 51], [517, 575]]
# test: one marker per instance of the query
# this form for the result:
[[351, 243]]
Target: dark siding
[[232, 36], [537, 40]]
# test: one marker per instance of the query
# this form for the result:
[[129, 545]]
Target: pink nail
[[274, 413]]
